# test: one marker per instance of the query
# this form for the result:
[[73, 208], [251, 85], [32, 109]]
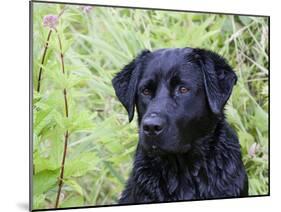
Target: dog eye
[[146, 92], [183, 89]]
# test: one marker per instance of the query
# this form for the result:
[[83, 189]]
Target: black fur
[[186, 148]]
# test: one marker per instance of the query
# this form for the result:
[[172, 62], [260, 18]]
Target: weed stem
[[44, 54], [66, 135], [43, 59]]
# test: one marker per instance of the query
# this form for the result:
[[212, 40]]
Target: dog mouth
[[154, 149], [164, 145]]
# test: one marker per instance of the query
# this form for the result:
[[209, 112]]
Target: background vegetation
[[96, 43]]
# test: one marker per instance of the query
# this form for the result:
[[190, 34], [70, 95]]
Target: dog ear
[[219, 79], [126, 81]]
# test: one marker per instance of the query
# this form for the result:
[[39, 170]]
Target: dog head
[[179, 95]]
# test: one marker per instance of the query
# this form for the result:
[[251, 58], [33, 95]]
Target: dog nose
[[153, 125]]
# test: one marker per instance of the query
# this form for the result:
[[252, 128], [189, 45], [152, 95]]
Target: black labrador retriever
[[186, 149]]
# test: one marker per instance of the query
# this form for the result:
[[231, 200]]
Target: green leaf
[[227, 26], [74, 185], [246, 140], [261, 119], [44, 164], [114, 147], [234, 117], [66, 44], [59, 78], [80, 121], [245, 20], [38, 201], [72, 201], [81, 165], [114, 172], [44, 181], [43, 119]]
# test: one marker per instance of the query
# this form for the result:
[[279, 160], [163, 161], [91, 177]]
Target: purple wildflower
[[253, 149], [87, 9], [50, 21]]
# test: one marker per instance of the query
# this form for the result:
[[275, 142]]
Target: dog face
[[179, 95]]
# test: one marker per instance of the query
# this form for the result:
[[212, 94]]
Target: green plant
[[96, 43]]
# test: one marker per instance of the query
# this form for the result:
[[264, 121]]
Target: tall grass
[[96, 44]]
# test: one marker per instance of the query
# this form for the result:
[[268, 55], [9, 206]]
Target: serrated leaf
[[56, 137], [38, 201], [59, 78], [43, 119], [80, 121], [114, 147], [74, 185], [81, 165], [44, 164], [44, 181]]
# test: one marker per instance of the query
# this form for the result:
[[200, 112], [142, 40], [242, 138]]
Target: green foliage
[[96, 45]]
